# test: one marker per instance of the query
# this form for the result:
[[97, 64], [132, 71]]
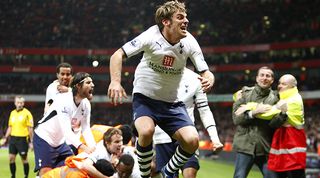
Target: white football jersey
[[100, 153], [55, 126], [52, 91], [191, 94], [159, 72]]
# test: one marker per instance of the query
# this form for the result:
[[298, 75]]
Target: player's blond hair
[[109, 133], [166, 10]]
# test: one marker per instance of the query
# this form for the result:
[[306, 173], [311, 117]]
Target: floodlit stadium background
[[237, 37]]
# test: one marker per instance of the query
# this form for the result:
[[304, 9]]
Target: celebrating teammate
[[61, 85], [111, 148], [166, 46], [191, 94], [55, 127]]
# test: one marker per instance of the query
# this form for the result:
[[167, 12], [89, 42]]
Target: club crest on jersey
[[167, 61], [64, 110], [186, 87]]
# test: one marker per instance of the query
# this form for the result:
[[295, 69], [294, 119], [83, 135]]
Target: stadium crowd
[[93, 23], [216, 59]]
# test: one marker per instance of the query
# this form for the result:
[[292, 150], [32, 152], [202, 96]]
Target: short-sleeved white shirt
[[159, 72], [100, 153], [52, 91], [55, 126]]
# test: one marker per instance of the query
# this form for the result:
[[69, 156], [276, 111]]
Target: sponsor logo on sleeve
[[135, 43]]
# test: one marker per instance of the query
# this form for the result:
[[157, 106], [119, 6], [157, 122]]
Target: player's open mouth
[[91, 91]]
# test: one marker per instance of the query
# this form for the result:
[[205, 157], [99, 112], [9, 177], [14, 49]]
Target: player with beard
[[54, 128]]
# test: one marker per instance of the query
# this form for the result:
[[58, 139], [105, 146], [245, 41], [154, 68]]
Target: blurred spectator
[[101, 24]]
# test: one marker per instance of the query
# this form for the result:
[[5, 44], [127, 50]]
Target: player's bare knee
[[189, 172], [145, 126], [146, 133], [190, 144], [192, 137], [194, 142]]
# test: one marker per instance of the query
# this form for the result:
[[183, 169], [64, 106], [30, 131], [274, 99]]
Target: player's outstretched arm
[[115, 91]]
